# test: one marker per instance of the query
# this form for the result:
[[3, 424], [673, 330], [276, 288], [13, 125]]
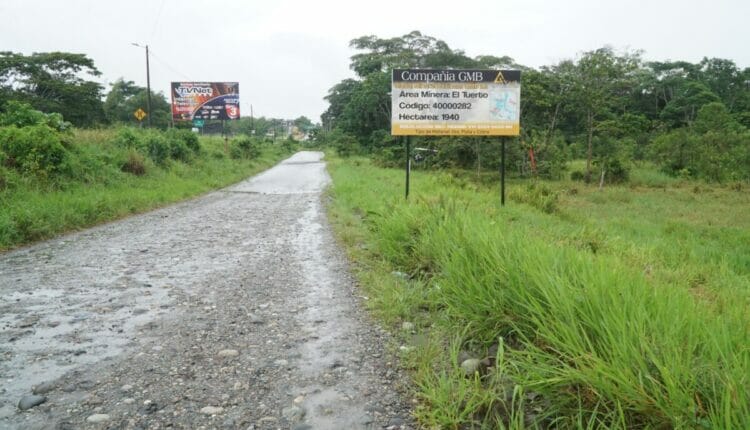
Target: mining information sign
[[455, 102]]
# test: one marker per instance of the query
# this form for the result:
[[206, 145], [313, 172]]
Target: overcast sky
[[286, 54]]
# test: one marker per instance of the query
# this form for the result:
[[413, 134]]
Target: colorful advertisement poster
[[205, 100]]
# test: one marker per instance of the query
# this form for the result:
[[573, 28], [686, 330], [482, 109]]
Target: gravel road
[[234, 310]]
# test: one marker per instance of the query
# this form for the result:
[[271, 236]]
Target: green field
[[97, 190], [620, 308]]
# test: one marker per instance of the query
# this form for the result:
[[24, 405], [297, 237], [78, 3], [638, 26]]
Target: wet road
[[234, 310]]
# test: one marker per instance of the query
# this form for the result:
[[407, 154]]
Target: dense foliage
[[607, 107]]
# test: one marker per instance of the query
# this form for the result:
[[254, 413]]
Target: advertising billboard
[[205, 100], [429, 102]]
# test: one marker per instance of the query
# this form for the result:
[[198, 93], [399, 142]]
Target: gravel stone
[[98, 418], [44, 388], [212, 410], [28, 402], [228, 353]]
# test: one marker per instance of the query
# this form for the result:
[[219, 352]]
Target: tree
[[52, 82], [125, 98], [304, 124], [338, 97], [602, 85], [686, 101]]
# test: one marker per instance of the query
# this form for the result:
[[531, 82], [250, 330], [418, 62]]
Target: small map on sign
[[504, 104]]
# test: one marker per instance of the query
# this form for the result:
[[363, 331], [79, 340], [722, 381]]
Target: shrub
[[189, 138], [289, 144], [615, 170], [135, 164], [539, 195], [245, 147], [36, 150], [21, 114], [577, 175], [157, 147], [178, 149], [344, 144], [128, 138]]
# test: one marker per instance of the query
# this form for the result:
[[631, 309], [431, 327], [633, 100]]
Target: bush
[[127, 138], [577, 175], [344, 144], [21, 114], [289, 144], [157, 147], [187, 137], [36, 150], [244, 146], [615, 170], [538, 195], [135, 164], [178, 149]]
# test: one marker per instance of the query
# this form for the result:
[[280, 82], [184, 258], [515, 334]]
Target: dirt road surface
[[231, 311]]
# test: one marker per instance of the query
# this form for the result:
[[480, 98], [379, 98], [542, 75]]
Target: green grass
[[620, 308], [32, 210]]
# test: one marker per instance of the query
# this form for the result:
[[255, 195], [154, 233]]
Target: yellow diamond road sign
[[140, 114]]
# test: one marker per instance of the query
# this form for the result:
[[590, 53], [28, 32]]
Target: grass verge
[[32, 209], [621, 308]]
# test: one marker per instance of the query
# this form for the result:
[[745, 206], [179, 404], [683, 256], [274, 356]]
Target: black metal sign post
[[408, 164], [502, 172]]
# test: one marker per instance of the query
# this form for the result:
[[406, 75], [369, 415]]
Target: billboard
[[205, 100], [429, 102]]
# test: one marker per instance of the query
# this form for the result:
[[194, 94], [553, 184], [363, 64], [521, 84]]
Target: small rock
[[28, 402], [98, 418], [406, 349], [129, 401], [228, 353], [139, 311], [28, 321], [293, 413], [126, 387], [281, 362], [299, 400], [366, 419], [302, 426], [43, 388], [407, 326], [375, 408], [255, 319], [212, 410], [470, 366], [396, 422]]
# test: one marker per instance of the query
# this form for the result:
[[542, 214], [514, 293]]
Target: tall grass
[[597, 327]]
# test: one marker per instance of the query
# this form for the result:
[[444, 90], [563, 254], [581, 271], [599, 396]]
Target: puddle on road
[[288, 177], [331, 327]]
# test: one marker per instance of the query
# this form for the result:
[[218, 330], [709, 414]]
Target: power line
[[156, 23], [165, 64]]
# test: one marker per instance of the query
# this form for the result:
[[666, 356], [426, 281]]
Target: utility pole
[[148, 84]]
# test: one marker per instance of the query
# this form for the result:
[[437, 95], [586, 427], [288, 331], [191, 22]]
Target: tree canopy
[[53, 82], [604, 106]]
